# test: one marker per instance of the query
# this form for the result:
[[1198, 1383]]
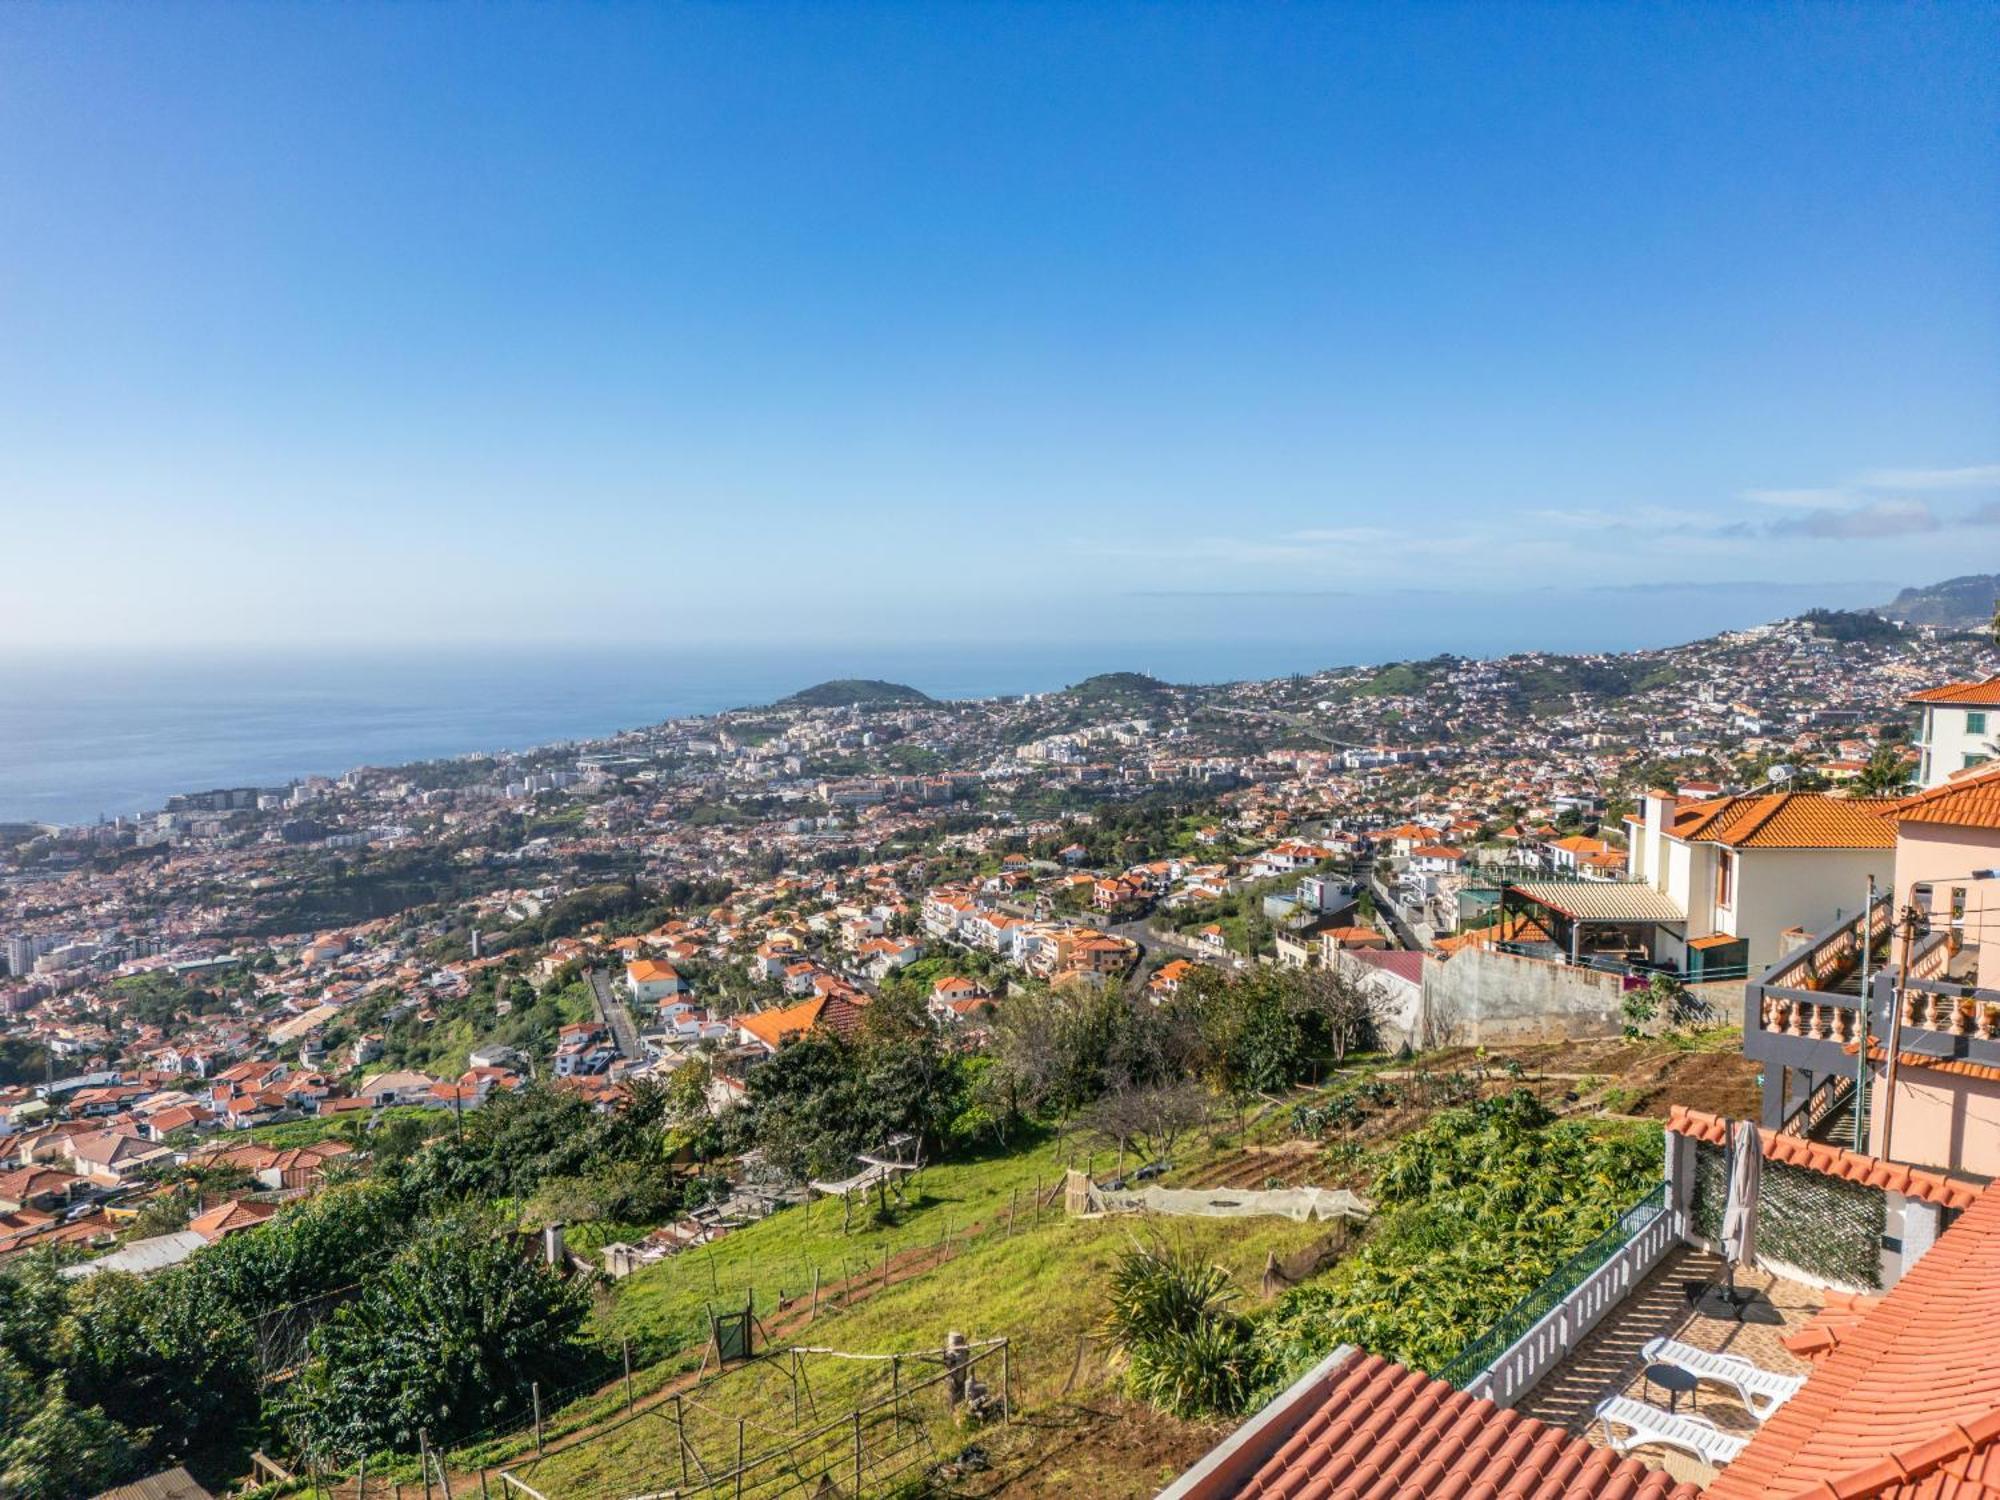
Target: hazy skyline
[[383, 323]]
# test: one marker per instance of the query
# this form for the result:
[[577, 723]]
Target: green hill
[[1133, 688], [851, 692], [1965, 603]]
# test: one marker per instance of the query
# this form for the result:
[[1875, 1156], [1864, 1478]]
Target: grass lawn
[[289, 1134], [663, 1307], [1041, 1288]]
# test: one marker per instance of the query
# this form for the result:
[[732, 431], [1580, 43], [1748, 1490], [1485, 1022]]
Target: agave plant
[[1159, 1290], [1206, 1371]]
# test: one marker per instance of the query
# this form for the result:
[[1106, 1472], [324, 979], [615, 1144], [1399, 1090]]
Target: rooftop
[[1601, 900], [1788, 820], [1967, 801], [1971, 694]]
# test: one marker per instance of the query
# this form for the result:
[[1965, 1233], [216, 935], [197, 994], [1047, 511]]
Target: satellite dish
[[1779, 775]]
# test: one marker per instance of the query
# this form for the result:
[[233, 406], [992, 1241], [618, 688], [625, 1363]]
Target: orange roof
[[1391, 1433], [1516, 927], [838, 1013], [1907, 1403], [1833, 1161], [1971, 693], [1958, 1067], [648, 969], [1789, 820], [1838, 1316], [1967, 802], [772, 1026], [229, 1218]]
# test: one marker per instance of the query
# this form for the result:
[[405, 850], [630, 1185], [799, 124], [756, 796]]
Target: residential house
[[583, 1048], [1739, 871], [651, 981], [110, 1157], [399, 1086], [1436, 859], [1334, 940], [880, 957], [44, 1188], [233, 1217], [767, 1030], [954, 988], [1168, 979], [1577, 854], [1960, 729]]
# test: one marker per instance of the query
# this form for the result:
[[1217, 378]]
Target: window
[[1958, 906], [1976, 760], [1975, 723], [1725, 877]]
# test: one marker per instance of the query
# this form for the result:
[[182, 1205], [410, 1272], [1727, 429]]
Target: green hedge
[[1820, 1224]]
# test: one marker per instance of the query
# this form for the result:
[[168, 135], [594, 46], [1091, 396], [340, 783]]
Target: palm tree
[[1885, 774]]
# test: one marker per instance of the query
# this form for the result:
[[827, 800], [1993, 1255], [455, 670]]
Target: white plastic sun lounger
[[1648, 1424], [1761, 1391]]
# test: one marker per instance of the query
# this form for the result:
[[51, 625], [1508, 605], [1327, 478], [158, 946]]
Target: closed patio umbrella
[[1739, 1214]]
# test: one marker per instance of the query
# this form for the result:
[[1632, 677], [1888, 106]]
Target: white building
[[1745, 869], [1960, 729]]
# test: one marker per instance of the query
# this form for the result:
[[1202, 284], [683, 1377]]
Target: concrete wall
[[1479, 997]]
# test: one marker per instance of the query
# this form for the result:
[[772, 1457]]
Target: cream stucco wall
[[1809, 888], [1948, 742]]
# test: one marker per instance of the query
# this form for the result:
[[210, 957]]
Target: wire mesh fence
[[772, 1433], [647, 1375]]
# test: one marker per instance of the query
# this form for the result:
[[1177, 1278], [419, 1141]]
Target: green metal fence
[[1557, 1285]]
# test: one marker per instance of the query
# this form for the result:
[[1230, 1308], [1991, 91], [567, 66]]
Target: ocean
[[91, 734]]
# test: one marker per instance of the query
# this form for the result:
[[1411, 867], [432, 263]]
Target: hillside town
[[215, 1011]]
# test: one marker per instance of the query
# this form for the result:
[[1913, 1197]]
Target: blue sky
[[736, 322]]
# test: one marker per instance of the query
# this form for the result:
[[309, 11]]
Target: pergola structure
[[1598, 917]]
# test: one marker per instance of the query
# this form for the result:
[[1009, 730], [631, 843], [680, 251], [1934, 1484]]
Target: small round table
[[1674, 1381]]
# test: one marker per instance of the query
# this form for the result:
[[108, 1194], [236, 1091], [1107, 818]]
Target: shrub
[[1158, 1291], [1209, 1371], [1186, 1352]]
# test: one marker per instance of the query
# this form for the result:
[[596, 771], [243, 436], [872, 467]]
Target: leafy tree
[[449, 1337], [171, 1361], [1884, 775], [62, 1451]]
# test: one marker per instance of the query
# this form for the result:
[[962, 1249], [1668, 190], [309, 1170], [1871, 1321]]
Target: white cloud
[[1973, 477], [1800, 499], [1884, 518]]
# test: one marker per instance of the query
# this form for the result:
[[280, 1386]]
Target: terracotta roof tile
[[1958, 1067], [1906, 1406], [1789, 820], [1964, 802], [1833, 1161], [1971, 693], [1389, 1433]]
